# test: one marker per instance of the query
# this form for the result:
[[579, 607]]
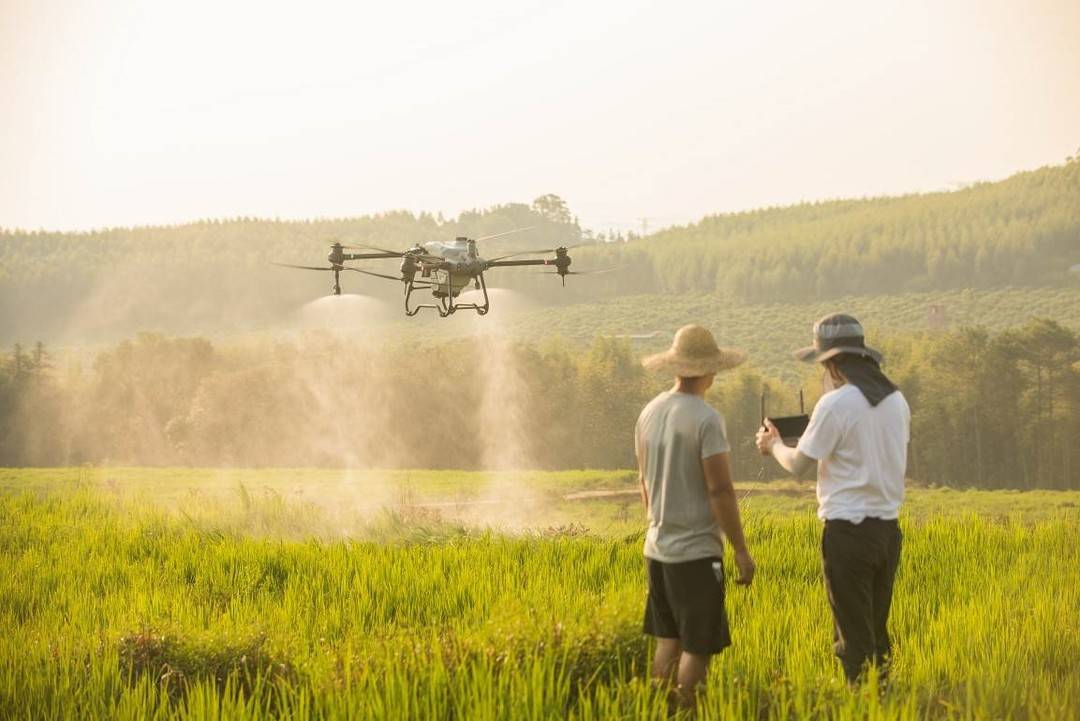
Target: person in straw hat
[[858, 435], [682, 452]]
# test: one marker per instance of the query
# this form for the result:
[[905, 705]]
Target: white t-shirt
[[676, 431], [861, 452]]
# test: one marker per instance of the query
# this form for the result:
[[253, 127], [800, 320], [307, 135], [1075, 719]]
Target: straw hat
[[693, 353]]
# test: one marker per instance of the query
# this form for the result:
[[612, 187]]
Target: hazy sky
[[116, 112]]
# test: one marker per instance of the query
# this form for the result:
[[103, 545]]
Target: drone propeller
[[368, 272], [508, 232], [569, 272], [303, 267], [338, 268], [536, 252], [587, 272], [563, 273], [372, 247], [576, 272]]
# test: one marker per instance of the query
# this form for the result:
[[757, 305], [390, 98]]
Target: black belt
[[873, 519]]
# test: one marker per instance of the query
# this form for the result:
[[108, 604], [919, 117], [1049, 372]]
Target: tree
[[737, 395], [553, 208], [612, 392], [1048, 350]]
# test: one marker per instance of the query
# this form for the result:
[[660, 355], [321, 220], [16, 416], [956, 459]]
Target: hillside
[[1023, 231], [215, 277], [770, 330]]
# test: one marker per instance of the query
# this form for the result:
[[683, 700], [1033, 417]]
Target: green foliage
[[215, 276], [175, 663], [995, 411], [770, 331], [129, 612], [1021, 231], [999, 411]]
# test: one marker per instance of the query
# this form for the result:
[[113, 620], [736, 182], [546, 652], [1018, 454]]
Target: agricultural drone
[[444, 268]]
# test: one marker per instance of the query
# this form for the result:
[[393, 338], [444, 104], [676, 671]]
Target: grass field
[[175, 593]]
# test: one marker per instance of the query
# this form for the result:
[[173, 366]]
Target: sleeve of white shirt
[[822, 435], [714, 436]]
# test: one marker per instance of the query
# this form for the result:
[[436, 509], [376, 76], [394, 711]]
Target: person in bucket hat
[[835, 334], [685, 476], [858, 435]]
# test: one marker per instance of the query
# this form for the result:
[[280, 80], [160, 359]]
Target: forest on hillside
[[215, 277], [1022, 231], [768, 331], [991, 410]]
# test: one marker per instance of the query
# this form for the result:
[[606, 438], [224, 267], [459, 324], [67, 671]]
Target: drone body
[[444, 268]]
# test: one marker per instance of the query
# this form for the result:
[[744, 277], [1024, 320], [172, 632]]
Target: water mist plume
[[346, 312]]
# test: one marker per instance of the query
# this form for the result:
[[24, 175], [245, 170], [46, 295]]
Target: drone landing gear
[[480, 308], [446, 305]]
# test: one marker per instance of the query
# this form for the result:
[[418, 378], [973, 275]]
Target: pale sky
[[116, 112]]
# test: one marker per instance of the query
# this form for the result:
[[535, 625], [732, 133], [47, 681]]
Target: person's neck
[[835, 380], [690, 389], [835, 386]]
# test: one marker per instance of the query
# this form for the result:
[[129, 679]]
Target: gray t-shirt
[[676, 431]]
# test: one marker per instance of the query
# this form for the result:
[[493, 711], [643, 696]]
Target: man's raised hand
[[766, 436]]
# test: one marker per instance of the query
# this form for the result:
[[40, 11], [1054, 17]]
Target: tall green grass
[[120, 610]]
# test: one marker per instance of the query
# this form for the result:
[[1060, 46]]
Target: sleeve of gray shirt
[[713, 434]]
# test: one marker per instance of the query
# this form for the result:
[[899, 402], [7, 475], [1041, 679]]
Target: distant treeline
[[1021, 231], [997, 411], [215, 276]]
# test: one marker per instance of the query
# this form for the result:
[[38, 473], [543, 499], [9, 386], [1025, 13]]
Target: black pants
[[860, 562]]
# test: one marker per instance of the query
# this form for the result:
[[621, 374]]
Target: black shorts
[[686, 601]]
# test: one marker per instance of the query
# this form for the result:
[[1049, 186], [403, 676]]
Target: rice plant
[[127, 609]]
